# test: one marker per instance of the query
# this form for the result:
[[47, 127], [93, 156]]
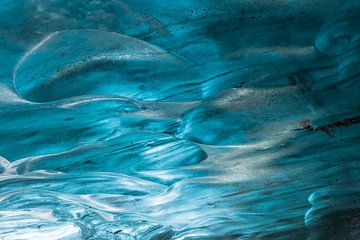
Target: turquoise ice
[[159, 120]]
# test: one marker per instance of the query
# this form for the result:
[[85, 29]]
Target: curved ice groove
[[51, 35], [28, 53], [93, 201], [214, 122], [36, 81], [100, 60], [209, 148], [104, 210], [340, 33], [73, 102], [147, 157], [117, 184]]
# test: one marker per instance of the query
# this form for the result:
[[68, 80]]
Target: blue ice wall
[[165, 119]]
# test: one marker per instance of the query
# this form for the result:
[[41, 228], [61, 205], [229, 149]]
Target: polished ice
[[129, 119]]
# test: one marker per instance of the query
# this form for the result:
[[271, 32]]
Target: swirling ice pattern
[[179, 119]]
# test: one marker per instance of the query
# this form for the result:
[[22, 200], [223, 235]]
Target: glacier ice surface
[[129, 119]]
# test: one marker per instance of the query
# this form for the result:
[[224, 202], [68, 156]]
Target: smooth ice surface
[[164, 119]]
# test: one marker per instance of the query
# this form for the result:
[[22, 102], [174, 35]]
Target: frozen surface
[[159, 120]]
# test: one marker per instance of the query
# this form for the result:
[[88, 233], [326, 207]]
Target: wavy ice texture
[[129, 119]]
